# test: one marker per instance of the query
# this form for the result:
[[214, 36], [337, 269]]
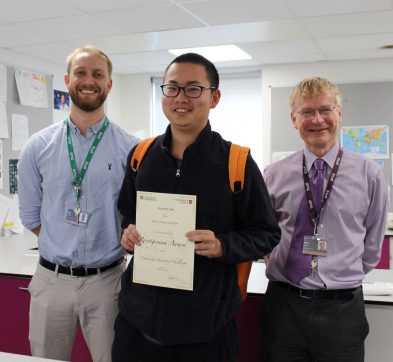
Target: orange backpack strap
[[140, 152], [237, 169], [243, 272], [237, 166]]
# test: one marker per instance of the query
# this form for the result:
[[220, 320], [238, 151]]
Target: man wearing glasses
[[331, 205], [174, 325]]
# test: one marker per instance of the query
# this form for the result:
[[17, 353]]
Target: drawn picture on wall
[[61, 100]]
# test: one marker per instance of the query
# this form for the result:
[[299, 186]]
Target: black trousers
[[130, 345], [298, 329]]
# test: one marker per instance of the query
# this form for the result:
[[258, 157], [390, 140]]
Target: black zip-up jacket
[[174, 316]]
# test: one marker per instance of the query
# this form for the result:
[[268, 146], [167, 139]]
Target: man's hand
[[206, 243], [130, 238]]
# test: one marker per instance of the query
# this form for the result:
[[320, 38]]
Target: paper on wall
[[20, 131], [1, 165], [3, 83], [31, 88], [3, 121]]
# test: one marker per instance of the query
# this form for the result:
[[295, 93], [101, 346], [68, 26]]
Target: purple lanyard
[[307, 186]]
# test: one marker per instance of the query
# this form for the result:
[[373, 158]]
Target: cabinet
[[384, 262], [248, 322], [14, 317]]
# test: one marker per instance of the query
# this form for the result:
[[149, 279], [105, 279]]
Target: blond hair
[[310, 87], [90, 49]]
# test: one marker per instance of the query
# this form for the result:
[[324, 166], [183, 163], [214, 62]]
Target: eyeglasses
[[191, 91], [309, 114]]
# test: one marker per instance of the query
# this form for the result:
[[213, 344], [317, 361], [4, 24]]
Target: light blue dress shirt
[[353, 220], [46, 193]]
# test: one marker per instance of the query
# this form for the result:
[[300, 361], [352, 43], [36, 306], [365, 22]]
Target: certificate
[[166, 257]]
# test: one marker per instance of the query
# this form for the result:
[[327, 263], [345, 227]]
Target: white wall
[[129, 103]]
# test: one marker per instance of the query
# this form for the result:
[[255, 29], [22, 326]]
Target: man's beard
[[87, 106]]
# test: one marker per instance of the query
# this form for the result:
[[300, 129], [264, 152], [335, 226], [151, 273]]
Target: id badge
[[73, 218], [315, 245], [83, 216]]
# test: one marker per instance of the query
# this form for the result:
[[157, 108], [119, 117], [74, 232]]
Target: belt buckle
[[303, 295], [76, 276], [72, 272]]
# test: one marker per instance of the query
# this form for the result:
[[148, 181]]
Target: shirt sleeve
[[375, 222], [30, 185]]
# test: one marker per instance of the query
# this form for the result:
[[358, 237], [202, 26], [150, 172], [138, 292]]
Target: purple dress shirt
[[353, 220]]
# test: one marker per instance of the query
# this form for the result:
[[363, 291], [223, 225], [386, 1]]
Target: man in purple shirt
[[313, 308]]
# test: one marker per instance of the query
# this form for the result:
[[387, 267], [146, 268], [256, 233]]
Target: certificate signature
[[166, 257]]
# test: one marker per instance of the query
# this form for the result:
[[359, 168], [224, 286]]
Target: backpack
[[236, 170]]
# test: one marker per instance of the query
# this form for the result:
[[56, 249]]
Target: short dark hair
[[194, 58]]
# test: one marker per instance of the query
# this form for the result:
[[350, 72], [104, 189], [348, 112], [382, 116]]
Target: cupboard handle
[[23, 288]]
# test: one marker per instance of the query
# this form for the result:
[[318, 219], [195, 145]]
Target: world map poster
[[370, 141]]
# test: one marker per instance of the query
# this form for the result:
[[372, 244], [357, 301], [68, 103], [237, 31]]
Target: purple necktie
[[298, 265]]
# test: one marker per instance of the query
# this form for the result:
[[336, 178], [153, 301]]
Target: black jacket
[[175, 316]]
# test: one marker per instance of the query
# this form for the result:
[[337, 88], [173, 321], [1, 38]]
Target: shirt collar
[[329, 158], [93, 129]]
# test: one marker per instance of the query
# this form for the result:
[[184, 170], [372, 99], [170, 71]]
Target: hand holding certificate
[[166, 257]]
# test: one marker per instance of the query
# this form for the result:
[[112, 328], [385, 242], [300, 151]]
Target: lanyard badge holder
[[76, 216], [316, 245]]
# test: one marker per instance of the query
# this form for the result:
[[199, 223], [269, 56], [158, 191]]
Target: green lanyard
[[78, 177]]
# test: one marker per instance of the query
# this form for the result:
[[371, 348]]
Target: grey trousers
[[59, 302]]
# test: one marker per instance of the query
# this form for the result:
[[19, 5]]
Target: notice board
[[38, 118]]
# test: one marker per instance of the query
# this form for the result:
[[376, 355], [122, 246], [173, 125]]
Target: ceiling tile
[[146, 58], [355, 43], [276, 49], [165, 17], [137, 33], [72, 27], [354, 24], [11, 35], [22, 10], [218, 12], [57, 51], [355, 55], [305, 8], [105, 5], [295, 58], [203, 36]]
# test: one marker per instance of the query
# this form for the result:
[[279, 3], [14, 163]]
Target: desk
[[10, 357], [17, 265], [18, 262]]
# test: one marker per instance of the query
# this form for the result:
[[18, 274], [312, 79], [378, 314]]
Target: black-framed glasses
[[191, 91], [324, 112]]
